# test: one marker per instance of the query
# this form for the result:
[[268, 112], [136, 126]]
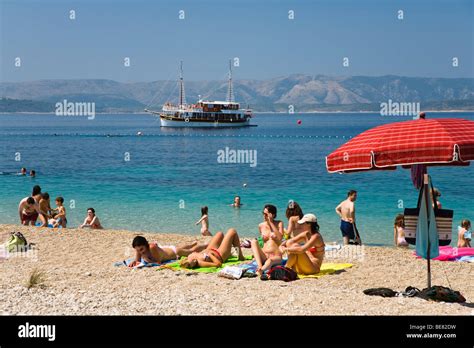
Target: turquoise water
[[173, 172]]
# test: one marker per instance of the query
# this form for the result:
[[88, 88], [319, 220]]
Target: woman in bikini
[[306, 258], [271, 231], [91, 220], [293, 214], [153, 252], [217, 252], [399, 231]]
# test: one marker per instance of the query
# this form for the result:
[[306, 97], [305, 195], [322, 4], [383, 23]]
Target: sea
[[159, 180]]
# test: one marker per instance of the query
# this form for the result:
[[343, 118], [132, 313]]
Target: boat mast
[[182, 98], [230, 89]]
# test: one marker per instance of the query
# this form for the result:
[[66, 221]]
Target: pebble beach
[[79, 278]]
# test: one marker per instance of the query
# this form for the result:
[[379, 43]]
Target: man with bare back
[[346, 211]]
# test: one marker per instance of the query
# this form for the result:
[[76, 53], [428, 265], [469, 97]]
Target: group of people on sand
[[38, 206], [464, 229], [301, 242]]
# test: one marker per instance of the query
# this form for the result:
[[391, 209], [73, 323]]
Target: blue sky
[[259, 33]]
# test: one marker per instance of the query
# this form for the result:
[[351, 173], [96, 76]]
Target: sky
[[259, 33]]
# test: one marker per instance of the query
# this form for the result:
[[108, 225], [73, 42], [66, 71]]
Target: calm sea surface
[[159, 181]]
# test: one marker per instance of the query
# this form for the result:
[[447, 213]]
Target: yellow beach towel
[[327, 268]]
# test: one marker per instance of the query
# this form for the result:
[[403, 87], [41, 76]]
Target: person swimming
[[399, 231], [237, 203], [153, 252], [307, 258], [204, 221], [271, 231], [91, 220], [217, 252], [32, 173]]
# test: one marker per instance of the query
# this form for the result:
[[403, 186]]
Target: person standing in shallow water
[[236, 203], [346, 211]]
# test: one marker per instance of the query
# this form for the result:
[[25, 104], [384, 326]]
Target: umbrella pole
[[428, 258]]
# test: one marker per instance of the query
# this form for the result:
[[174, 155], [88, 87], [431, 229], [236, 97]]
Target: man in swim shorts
[[346, 211], [28, 211]]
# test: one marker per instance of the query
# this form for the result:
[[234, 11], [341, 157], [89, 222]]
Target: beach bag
[[444, 221], [280, 273], [16, 242], [441, 293]]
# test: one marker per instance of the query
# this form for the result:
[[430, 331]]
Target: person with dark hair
[[32, 173], [91, 220], [204, 221], [37, 195], [308, 257], [216, 253], [59, 213], [293, 214], [236, 203], [153, 252], [437, 195], [45, 209], [28, 211], [271, 231], [22, 171], [346, 211]]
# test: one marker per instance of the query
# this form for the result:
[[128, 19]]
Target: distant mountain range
[[305, 92]]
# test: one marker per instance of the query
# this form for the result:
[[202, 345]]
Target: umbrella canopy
[[411, 144], [444, 141]]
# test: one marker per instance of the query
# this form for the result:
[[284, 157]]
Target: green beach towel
[[233, 260]]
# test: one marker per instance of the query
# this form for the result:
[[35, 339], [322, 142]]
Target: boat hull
[[179, 123]]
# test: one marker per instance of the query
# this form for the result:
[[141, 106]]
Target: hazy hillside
[[304, 92]]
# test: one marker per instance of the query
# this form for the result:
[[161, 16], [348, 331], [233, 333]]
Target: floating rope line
[[181, 135]]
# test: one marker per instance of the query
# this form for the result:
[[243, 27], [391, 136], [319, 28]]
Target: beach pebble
[[88, 274]]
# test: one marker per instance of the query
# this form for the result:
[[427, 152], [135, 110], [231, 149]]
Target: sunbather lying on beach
[[305, 255], [271, 231], [216, 253], [153, 252]]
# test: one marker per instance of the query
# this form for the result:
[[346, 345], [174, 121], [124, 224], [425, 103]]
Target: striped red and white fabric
[[447, 141]]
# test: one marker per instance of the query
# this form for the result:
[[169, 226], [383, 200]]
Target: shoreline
[[81, 280]]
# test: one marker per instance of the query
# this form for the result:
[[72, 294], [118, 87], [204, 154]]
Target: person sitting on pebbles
[[91, 220], [153, 252], [216, 253], [306, 251], [271, 231]]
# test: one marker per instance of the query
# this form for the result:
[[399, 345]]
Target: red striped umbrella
[[444, 141], [411, 144]]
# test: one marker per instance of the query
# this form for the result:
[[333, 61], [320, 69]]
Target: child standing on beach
[[45, 209], [60, 213], [204, 221], [464, 234]]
